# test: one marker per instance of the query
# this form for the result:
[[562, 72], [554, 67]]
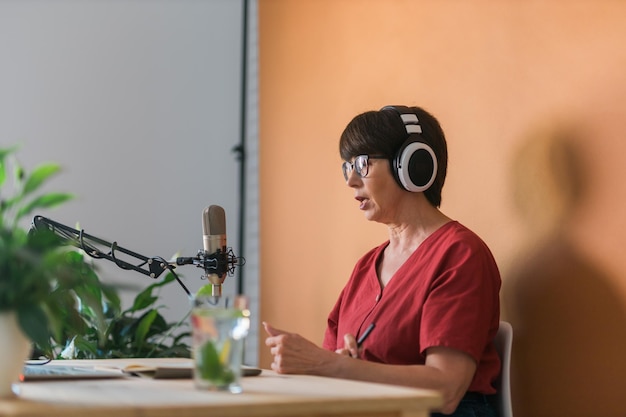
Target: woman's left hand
[[349, 346]]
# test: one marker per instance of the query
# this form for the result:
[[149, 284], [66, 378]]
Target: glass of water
[[219, 327]]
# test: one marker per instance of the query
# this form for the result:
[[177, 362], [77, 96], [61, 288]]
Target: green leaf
[[166, 280], [34, 323], [211, 366], [205, 290], [3, 172], [122, 330], [44, 201], [143, 300], [39, 176], [113, 300], [3, 165], [85, 349], [18, 172], [4, 152], [91, 297], [158, 326], [144, 327]]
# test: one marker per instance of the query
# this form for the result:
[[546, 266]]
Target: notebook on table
[[175, 371], [58, 372], [167, 371]]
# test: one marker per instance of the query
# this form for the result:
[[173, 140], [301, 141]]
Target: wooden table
[[269, 395]]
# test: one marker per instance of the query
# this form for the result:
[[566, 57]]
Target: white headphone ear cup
[[406, 170]]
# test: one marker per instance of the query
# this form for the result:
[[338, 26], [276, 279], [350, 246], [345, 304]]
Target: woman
[[432, 289]]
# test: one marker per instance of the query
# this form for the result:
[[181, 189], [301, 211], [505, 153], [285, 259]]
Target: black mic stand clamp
[[216, 266]]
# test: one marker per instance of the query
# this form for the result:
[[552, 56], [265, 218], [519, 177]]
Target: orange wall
[[509, 81]]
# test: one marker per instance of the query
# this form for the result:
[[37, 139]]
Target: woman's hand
[[349, 346], [293, 354]]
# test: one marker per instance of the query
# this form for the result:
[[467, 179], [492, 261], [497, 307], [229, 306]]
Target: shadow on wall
[[569, 351]]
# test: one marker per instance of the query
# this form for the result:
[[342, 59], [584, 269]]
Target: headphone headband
[[410, 120], [415, 164], [411, 123]]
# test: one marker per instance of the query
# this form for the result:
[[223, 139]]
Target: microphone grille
[[214, 220]]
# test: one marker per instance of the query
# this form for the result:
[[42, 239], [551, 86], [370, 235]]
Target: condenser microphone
[[214, 242]]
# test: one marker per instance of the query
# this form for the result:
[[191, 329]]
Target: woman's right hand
[[293, 354]]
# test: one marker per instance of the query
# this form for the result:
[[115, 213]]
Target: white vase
[[14, 350]]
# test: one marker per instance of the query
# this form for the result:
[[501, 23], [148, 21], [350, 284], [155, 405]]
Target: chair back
[[504, 344]]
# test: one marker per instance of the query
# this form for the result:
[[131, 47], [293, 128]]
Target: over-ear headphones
[[414, 165]]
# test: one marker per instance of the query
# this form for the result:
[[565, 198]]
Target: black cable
[[170, 268]]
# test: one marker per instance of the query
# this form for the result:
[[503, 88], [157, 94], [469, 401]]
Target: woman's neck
[[413, 227]]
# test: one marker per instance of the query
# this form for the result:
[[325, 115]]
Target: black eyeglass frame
[[348, 167]]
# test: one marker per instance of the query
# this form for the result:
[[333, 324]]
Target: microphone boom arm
[[219, 262]]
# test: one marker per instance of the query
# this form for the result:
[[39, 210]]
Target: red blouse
[[445, 294]]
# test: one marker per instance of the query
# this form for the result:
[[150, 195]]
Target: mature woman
[[431, 290]]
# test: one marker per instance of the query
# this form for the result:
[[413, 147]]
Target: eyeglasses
[[360, 165]]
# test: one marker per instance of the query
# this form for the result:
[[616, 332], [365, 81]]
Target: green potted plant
[[41, 277], [139, 331]]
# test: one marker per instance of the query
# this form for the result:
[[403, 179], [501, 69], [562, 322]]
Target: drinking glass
[[219, 327]]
